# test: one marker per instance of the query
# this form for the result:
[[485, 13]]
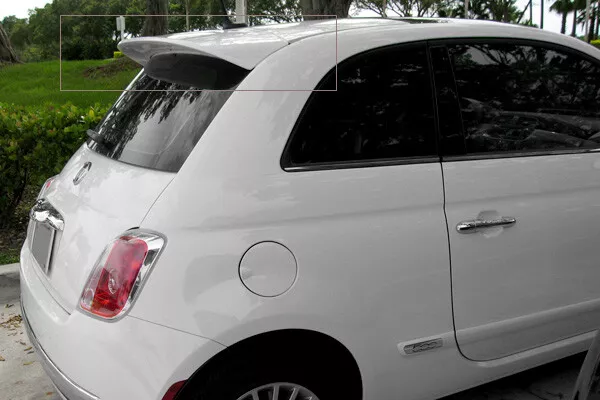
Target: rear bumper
[[90, 359], [64, 385]]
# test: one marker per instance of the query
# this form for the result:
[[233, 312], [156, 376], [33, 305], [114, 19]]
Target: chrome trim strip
[[360, 164], [508, 154], [65, 386]]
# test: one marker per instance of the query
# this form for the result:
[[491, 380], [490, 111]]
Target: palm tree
[[503, 10], [581, 6], [562, 7], [579, 16]]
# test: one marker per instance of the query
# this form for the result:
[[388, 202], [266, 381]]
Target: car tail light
[[173, 390], [46, 186], [120, 273]]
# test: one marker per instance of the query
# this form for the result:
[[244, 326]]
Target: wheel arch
[[304, 340]]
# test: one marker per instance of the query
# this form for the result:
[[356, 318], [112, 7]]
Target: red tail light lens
[[46, 186], [173, 390], [119, 273]]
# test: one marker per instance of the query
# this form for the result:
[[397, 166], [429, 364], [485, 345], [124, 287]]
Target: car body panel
[[252, 200], [90, 352], [110, 199], [371, 244], [541, 273]]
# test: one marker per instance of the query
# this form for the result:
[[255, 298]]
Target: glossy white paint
[[111, 198], [130, 359], [534, 282], [371, 245], [268, 269]]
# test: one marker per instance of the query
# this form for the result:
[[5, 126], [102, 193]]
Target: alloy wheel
[[279, 391]]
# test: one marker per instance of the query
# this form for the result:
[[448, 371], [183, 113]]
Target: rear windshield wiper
[[96, 137]]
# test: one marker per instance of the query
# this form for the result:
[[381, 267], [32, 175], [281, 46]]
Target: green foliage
[[9, 257], [37, 38], [117, 54], [496, 10], [595, 43], [35, 143], [82, 37]]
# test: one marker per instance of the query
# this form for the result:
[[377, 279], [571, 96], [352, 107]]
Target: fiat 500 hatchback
[[328, 210]]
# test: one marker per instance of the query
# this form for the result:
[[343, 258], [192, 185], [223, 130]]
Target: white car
[[357, 209]]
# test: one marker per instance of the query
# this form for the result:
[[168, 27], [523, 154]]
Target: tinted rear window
[[158, 127]]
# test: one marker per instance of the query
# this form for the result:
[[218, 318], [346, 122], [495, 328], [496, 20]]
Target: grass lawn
[[39, 83]]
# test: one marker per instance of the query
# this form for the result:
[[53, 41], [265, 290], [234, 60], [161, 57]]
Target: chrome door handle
[[476, 224], [45, 213]]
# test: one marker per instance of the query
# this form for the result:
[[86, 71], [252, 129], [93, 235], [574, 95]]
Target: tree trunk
[[592, 27], [154, 25], [574, 29], [595, 22], [598, 21], [7, 54], [314, 9], [187, 15], [563, 26]]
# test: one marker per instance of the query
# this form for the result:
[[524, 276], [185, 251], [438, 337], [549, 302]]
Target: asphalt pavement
[[21, 375], [9, 283]]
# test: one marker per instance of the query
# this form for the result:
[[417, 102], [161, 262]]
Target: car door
[[521, 124]]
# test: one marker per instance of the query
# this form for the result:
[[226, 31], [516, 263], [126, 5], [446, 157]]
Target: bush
[[33, 53], [596, 43], [35, 143], [117, 54], [85, 48]]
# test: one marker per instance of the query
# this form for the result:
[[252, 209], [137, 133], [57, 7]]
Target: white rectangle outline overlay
[[192, 90]]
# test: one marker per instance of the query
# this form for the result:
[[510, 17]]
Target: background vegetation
[[36, 38], [35, 143], [41, 127]]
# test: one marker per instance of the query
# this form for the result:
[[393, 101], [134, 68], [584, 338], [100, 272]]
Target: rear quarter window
[[382, 111]]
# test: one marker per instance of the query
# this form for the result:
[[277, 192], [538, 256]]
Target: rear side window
[[157, 123], [526, 97], [382, 110]]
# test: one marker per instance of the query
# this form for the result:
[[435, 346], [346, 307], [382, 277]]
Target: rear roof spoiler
[[242, 47]]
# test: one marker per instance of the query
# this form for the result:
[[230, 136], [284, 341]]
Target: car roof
[[246, 47]]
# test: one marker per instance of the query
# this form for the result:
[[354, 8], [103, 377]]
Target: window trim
[[521, 154], [285, 160], [518, 41], [380, 162]]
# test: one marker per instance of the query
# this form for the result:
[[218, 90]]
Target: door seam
[[450, 264]]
